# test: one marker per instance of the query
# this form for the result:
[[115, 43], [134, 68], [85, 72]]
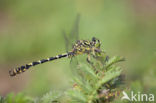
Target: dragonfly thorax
[[85, 47]]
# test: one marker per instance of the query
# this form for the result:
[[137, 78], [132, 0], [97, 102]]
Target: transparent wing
[[73, 36], [75, 30]]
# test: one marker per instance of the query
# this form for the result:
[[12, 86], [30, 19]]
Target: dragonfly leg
[[107, 58], [71, 60], [89, 60], [91, 63], [74, 59]]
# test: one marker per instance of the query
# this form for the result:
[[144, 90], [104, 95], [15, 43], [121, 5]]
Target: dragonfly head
[[96, 42]]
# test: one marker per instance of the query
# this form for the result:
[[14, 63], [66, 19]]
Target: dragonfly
[[89, 47], [80, 47]]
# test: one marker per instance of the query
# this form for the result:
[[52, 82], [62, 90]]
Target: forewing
[[73, 36]]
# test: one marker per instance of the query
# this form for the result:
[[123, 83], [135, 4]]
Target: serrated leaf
[[112, 61]]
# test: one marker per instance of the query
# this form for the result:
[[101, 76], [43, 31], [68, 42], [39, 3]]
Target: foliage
[[19, 98], [95, 82]]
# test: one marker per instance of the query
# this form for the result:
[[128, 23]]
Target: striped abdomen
[[21, 69]]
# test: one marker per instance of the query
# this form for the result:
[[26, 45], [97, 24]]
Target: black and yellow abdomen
[[23, 68]]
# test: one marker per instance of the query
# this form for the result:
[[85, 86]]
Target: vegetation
[[32, 30], [97, 82]]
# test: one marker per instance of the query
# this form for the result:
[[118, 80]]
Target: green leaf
[[112, 61], [76, 96], [50, 97]]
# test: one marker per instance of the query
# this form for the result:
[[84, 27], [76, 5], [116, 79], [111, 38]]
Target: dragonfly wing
[[73, 36], [75, 30], [66, 41]]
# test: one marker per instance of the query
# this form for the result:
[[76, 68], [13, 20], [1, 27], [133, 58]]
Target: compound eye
[[94, 39]]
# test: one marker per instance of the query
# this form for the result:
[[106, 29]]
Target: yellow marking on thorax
[[78, 52], [87, 48], [87, 42]]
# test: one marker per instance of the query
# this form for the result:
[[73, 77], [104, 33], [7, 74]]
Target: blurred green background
[[32, 30]]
